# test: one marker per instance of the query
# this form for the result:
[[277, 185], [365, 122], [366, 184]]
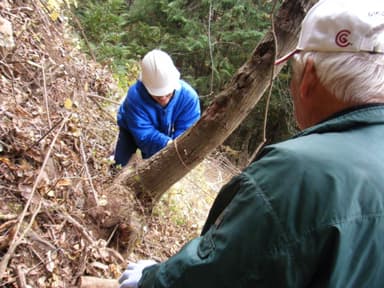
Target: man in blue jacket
[[309, 211], [158, 108]]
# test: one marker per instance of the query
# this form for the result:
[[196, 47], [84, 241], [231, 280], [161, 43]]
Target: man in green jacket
[[309, 212]]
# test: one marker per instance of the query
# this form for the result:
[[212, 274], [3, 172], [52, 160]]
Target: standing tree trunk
[[229, 108]]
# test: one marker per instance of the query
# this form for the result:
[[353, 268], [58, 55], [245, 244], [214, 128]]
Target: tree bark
[[223, 116]]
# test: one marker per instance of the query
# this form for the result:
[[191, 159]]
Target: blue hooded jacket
[[152, 125]]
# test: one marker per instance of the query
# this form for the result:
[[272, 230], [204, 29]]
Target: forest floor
[[57, 131]]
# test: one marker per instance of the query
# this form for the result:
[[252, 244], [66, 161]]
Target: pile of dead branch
[[55, 139]]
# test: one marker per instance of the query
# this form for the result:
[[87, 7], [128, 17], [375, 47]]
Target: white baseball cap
[[158, 73], [342, 26]]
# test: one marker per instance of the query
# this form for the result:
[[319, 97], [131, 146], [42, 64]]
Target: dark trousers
[[125, 147]]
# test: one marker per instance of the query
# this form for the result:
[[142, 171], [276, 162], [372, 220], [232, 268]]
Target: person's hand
[[131, 276]]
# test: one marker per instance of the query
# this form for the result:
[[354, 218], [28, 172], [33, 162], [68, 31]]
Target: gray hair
[[351, 77]]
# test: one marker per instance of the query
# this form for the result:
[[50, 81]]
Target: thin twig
[[115, 254], [269, 88], [210, 46], [7, 217], [75, 223], [29, 270], [45, 135], [16, 241], [94, 192], [13, 87], [46, 97], [21, 277], [102, 110], [77, 21], [112, 234], [103, 98]]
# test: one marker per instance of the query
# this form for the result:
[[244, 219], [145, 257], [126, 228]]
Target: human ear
[[309, 80]]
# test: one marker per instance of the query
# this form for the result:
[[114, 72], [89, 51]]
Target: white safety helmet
[[158, 73]]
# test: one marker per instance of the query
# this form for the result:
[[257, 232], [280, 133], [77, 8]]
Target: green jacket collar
[[369, 114]]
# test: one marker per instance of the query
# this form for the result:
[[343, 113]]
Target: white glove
[[131, 276]]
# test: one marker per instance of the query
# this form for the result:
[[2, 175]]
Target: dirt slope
[[55, 137]]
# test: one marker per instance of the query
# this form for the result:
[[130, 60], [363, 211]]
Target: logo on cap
[[341, 39]]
